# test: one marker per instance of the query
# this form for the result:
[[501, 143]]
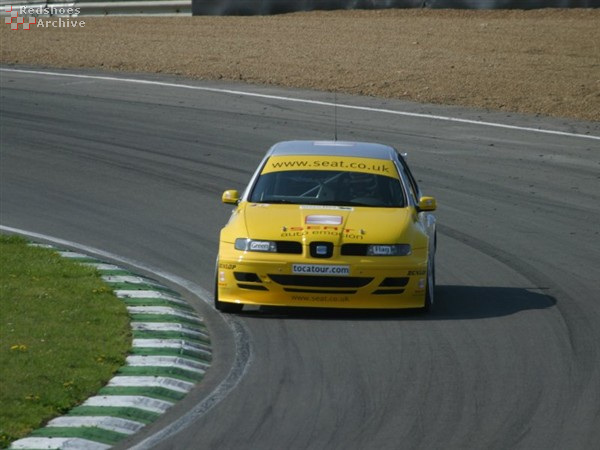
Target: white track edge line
[[306, 101]]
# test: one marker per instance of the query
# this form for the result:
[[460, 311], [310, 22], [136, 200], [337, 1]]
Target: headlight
[[250, 245], [389, 250]]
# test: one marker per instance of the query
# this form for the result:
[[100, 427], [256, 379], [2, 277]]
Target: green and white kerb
[[170, 353]]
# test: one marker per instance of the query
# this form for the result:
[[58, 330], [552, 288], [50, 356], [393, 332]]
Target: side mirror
[[231, 196], [427, 204]]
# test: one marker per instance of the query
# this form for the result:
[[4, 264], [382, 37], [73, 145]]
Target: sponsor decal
[[346, 164], [412, 273], [323, 230], [321, 298], [323, 220], [320, 269]]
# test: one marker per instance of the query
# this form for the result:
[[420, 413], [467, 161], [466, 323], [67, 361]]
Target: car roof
[[333, 148]]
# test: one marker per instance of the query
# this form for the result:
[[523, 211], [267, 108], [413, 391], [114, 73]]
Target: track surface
[[510, 358]]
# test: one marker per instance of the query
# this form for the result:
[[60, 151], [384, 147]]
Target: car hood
[[322, 223]]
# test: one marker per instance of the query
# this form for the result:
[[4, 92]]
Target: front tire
[[430, 289]]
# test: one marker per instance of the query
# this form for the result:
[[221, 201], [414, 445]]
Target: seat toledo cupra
[[328, 224]]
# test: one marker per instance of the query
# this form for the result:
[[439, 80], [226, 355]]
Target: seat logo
[[321, 250]]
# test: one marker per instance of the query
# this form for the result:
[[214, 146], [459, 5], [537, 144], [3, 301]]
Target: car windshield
[[324, 187]]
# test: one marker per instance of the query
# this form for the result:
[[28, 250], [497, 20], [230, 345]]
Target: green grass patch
[[63, 335]]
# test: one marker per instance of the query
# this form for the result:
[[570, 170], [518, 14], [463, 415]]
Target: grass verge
[[63, 334]]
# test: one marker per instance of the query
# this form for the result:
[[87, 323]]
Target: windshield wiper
[[279, 201], [351, 203]]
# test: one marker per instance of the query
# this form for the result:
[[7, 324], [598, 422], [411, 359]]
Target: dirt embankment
[[542, 62]]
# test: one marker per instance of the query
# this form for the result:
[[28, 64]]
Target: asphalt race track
[[510, 359]]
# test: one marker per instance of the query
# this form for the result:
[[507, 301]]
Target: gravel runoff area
[[544, 62]]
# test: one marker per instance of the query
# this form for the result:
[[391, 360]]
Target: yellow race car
[[328, 224]]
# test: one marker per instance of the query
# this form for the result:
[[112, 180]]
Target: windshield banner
[[336, 163]]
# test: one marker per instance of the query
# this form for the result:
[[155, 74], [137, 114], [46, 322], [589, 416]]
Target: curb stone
[[171, 351]]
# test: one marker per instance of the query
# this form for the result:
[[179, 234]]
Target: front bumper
[[370, 283]]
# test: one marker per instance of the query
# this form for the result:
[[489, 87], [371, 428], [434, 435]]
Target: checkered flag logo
[[14, 20]]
